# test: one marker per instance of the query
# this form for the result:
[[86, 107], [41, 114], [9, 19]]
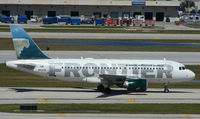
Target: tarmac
[[108, 36], [23, 95], [187, 58], [97, 116]]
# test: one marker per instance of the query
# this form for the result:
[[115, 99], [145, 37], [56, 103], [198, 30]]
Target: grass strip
[[13, 78], [106, 31], [197, 25], [7, 44], [4, 26], [110, 108]]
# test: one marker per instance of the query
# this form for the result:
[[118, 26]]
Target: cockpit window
[[182, 68]]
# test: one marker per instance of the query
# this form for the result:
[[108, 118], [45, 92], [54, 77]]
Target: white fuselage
[[89, 70]]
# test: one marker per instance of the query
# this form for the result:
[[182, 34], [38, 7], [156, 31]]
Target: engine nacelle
[[136, 85], [92, 80]]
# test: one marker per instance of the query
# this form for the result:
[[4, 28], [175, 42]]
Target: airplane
[[131, 74]]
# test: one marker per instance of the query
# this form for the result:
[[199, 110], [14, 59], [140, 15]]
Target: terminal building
[[157, 10]]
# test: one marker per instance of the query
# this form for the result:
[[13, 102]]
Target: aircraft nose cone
[[191, 75]]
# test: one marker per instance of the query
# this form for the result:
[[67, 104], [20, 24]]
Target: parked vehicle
[[111, 22], [100, 21], [137, 22], [140, 17], [34, 19], [150, 22], [87, 21], [167, 19], [64, 19], [75, 21], [50, 20], [127, 22], [22, 19], [5, 19]]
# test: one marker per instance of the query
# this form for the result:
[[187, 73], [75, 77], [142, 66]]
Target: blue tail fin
[[25, 47]]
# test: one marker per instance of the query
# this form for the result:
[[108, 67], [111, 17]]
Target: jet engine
[[92, 80], [139, 85]]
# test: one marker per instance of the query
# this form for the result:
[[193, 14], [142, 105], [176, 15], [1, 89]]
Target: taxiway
[[91, 96], [97, 116]]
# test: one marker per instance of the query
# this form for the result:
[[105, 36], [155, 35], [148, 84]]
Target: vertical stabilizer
[[24, 46]]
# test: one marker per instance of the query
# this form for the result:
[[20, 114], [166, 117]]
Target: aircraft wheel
[[100, 88], [107, 91], [166, 90]]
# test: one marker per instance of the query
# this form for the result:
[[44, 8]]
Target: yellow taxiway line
[[132, 101], [43, 100], [101, 37], [62, 115], [156, 37], [188, 116]]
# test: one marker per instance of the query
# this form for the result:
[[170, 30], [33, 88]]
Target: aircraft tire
[[100, 88]]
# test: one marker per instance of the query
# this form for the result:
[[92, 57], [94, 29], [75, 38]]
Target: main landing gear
[[166, 90], [102, 89]]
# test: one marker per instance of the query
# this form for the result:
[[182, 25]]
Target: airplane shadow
[[125, 92], [120, 92], [50, 90], [103, 95], [168, 92]]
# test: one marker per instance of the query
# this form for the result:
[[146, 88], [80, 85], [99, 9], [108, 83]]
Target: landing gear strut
[[166, 90], [107, 90], [100, 88]]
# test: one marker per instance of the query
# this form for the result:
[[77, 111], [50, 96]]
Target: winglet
[[24, 46]]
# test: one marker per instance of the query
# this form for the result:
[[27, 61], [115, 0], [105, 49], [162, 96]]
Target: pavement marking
[[132, 101], [43, 100], [156, 37], [62, 115], [101, 37], [188, 116], [46, 37]]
